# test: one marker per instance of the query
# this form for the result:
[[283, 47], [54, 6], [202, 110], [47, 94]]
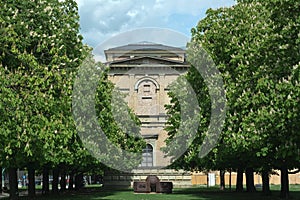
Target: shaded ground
[[200, 193]]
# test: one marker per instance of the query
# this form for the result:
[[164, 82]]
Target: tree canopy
[[255, 45], [40, 54]]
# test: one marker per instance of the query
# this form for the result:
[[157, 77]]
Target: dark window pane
[[147, 156]]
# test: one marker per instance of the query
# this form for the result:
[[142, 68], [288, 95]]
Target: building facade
[[143, 72]]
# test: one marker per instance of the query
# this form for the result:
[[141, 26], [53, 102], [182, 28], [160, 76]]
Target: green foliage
[[188, 121], [40, 56], [106, 126], [255, 45], [40, 51]]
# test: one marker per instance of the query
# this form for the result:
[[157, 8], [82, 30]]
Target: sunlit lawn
[[201, 193]]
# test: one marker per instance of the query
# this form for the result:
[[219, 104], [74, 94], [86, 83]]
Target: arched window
[[147, 156], [146, 98], [146, 79]]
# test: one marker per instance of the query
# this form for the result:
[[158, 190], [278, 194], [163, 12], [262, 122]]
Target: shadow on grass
[[216, 194], [85, 193], [200, 193]]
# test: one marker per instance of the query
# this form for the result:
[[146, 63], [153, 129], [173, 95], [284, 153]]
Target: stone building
[[143, 71]]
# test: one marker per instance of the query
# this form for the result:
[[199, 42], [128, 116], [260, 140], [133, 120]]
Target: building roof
[[145, 46]]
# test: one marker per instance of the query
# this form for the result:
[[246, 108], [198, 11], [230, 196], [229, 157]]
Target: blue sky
[[102, 19]]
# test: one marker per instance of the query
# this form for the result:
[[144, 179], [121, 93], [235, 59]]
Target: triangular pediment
[[146, 60]]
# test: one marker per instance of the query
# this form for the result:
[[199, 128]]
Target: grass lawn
[[200, 193]]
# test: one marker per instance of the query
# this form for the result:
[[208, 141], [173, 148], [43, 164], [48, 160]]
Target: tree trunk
[[250, 180], [55, 181], [1, 179], [45, 189], [239, 180], [13, 183], [63, 181], [78, 181], [230, 179], [222, 179], [71, 181], [284, 192], [31, 181], [265, 182]]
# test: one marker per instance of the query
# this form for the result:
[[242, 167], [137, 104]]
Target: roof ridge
[[145, 42], [145, 45]]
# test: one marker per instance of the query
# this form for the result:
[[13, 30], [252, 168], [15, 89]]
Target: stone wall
[[201, 179], [180, 179]]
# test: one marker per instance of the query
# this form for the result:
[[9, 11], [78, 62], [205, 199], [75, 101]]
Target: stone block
[[166, 187], [140, 187]]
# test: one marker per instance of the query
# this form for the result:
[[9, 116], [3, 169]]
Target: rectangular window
[[146, 97], [146, 88], [147, 156]]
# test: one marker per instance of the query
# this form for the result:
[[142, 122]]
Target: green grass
[[200, 193]]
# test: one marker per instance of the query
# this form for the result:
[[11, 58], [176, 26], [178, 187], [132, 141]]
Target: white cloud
[[101, 19]]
